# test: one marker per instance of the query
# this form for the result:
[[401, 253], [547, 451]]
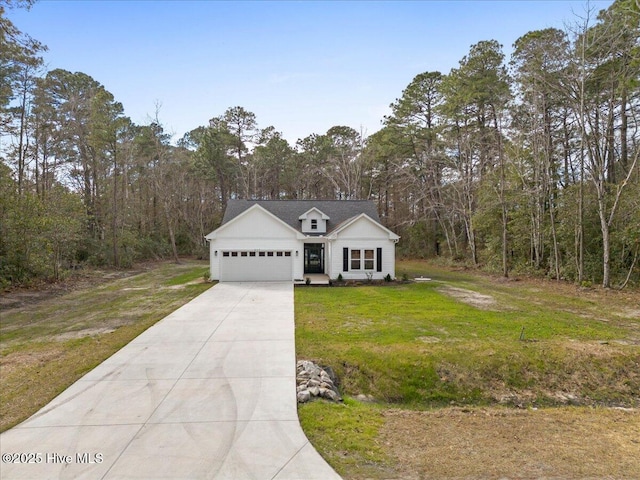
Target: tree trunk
[[503, 203], [610, 149], [624, 151], [172, 235], [554, 236], [21, 140], [606, 243], [505, 262], [579, 233], [114, 233]]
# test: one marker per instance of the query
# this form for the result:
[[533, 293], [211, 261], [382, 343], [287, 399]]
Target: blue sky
[[302, 67]]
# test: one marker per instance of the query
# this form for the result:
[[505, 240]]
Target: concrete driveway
[[208, 392]]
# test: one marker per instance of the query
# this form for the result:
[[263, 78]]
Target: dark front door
[[313, 258]]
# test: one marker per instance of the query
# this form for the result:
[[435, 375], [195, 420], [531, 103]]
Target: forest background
[[528, 164]]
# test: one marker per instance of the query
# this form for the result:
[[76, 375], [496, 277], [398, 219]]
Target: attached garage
[[256, 266], [285, 240]]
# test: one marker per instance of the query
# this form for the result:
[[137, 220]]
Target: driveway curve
[[206, 393]]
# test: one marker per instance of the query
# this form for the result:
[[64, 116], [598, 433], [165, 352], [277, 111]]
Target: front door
[[313, 258]]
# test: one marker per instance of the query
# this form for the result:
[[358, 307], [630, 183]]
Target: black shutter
[[345, 259], [379, 260]]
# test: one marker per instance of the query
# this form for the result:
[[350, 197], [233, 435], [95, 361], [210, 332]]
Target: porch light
[[296, 253], [215, 253]]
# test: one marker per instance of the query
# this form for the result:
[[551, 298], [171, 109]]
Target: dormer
[[313, 221]]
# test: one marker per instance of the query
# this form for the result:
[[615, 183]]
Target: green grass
[[46, 346], [348, 433], [187, 277], [413, 345]]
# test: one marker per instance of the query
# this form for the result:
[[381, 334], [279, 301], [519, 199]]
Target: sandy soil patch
[[596, 349], [479, 443], [428, 339], [86, 332], [633, 313], [475, 299], [20, 360]]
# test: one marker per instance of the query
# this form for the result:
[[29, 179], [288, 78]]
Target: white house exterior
[[284, 240]]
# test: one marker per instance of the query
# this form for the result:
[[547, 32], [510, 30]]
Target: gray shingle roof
[[290, 210]]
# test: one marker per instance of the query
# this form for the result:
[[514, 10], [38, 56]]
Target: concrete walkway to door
[[208, 392]]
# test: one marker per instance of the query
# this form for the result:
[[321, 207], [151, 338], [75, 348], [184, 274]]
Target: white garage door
[[264, 266]]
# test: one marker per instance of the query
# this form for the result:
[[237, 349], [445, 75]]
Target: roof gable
[[246, 214], [363, 216], [304, 216]]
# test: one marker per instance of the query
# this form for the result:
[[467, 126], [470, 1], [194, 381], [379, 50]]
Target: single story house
[[283, 240]]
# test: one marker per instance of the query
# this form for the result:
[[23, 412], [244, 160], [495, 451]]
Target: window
[[363, 259], [279, 254], [243, 254], [314, 224], [269, 254], [355, 259], [368, 260], [234, 254], [262, 254], [225, 254], [252, 254], [287, 254]]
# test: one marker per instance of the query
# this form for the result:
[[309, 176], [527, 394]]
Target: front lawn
[[414, 344], [467, 341]]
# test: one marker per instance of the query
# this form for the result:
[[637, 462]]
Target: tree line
[[528, 164]]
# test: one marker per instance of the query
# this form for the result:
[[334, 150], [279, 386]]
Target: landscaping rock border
[[313, 381]]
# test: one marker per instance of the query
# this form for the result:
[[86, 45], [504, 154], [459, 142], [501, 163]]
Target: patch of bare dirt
[[21, 297], [198, 281], [625, 303], [592, 349], [86, 332], [428, 339], [633, 313], [628, 341], [475, 299], [479, 443], [21, 360]]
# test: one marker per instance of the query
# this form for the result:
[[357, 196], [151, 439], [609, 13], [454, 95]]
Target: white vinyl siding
[[313, 223], [363, 236]]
